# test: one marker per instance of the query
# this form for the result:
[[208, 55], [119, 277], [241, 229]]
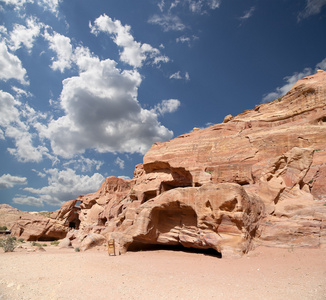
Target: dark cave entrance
[[74, 224], [139, 246]]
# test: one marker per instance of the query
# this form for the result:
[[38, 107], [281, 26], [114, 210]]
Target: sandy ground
[[266, 273]]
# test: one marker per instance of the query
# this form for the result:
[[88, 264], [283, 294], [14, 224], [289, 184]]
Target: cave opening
[[140, 246], [74, 224], [168, 223]]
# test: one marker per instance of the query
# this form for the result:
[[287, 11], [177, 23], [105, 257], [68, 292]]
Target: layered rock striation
[[257, 178]]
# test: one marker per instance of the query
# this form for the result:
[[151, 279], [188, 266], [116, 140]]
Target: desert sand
[[265, 273]]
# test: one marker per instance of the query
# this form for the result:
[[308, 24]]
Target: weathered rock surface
[[9, 215], [39, 228], [257, 178]]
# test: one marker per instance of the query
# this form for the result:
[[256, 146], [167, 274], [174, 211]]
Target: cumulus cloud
[[313, 7], [16, 119], [167, 106], [62, 186], [133, 52], [25, 35], [11, 66], [61, 45], [8, 181], [168, 22], [102, 111], [290, 81]]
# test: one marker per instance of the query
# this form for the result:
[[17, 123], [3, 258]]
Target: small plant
[[3, 228], [55, 243], [36, 244], [21, 240], [44, 245], [279, 99], [8, 244], [77, 249]]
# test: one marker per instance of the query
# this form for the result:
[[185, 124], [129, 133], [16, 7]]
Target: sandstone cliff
[[257, 178]]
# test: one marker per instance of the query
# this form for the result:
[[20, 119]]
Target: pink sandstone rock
[[257, 178]]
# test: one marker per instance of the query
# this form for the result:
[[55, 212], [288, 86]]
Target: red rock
[[257, 178]]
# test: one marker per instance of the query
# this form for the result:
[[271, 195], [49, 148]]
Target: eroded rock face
[[39, 228], [214, 216], [257, 178]]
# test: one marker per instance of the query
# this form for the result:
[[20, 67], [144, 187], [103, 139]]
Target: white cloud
[[168, 22], [120, 163], [133, 53], [21, 93], [28, 200], [61, 45], [290, 81], [17, 3], [167, 106], [8, 181], [62, 186], [16, 120], [187, 39], [84, 164], [322, 65], [8, 113], [11, 66], [197, 6], [25, 35], [102, 111], [214, 4], [313, 7], [248, 14], [161, 5], [177, 75], [51, 5]]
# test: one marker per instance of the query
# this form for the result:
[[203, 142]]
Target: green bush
[[8, 244], [21, 240], [3, 228], [36, 244], [77, 249], [55, 243]]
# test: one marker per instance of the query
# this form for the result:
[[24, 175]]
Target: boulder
[[92, 240]]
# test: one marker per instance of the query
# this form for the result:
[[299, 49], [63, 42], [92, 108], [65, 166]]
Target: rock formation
[[37, 227], [257, 178]]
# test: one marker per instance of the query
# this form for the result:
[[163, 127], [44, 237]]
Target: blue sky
[[86, 87]]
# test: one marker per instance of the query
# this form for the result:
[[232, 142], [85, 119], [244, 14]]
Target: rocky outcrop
[[9, 215], [39, 228], [257, 178]]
